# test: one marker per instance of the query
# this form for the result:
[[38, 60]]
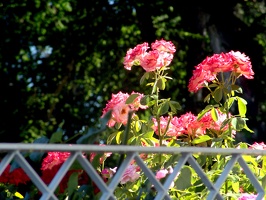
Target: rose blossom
[[185, 124], [207, 70], [171, 131], [161, 174], [160, 55], [259, 146], [215, 126], [120, 109], [130, 175], [133, 55], [162, 45], [16, 176], [246, 196]]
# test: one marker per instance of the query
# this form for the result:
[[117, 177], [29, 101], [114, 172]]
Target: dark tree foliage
[[62, 60]]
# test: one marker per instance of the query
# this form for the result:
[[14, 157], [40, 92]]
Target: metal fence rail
[[16, 151]]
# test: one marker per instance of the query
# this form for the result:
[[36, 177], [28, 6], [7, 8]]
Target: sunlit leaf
[[204, 111], [161, 83], [118, 137], [242, 108], [214, 114], [131, 98], [200, 139], [238, 123]]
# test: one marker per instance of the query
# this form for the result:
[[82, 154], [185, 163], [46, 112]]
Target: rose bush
[[215, 126]]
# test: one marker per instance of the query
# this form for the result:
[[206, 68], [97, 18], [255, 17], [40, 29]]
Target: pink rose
[[162, 45], [259, 146], [207, 70], [130, 175], [161, 174], [246, 196], [134, 55], [120, 109]]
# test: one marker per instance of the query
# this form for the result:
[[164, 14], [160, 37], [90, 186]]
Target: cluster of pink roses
[[208, 69], [150, 59], [188, 124]]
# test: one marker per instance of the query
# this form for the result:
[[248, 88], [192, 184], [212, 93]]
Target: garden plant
[[149, 120]]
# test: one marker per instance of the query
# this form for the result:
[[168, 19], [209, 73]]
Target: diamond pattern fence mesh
[[184, 156]]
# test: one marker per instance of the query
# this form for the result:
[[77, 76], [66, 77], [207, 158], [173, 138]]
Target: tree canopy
[[62, 60]]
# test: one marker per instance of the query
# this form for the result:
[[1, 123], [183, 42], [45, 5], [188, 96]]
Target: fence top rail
[[7, 147]]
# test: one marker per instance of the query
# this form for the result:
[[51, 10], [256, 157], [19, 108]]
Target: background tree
[[61, 60]]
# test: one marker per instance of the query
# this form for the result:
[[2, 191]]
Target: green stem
[[125, 138]]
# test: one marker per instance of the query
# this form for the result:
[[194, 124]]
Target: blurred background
[[60, 61]]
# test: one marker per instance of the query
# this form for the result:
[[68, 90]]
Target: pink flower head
[[162, 45], [215, 126], [246, 196], [259, 146], [160, 55], [207, 70], [54, 159], [242, 64], [161, 174], [191, 125], [133, 55], [108, 173], [171, 131], [120, 109], [186, 124], [130, 175]]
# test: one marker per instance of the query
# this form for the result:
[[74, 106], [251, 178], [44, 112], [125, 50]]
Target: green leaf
[[118, 137], [184, 179], [214, 114], [163, 108], [161, 83], [104, 120], [56, 137], [248, 129], [174, 106], [145, 100], [263, 182], [242, 108], [235, 186], [72, 183], [137, 126], [238, 123], [145, 76], [131, 98], [148, 134], [218, 95], [207, 98], [230, 102], [236, 88], [18, 195], [111, 137], [204, 111], [200, 139]]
